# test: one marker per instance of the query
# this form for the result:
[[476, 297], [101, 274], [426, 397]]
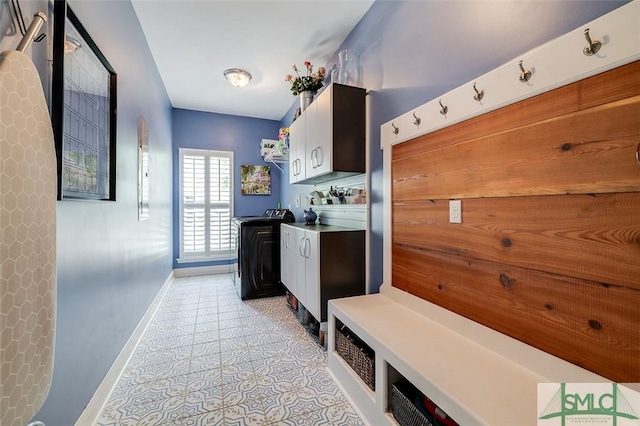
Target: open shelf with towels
[[275, 151]]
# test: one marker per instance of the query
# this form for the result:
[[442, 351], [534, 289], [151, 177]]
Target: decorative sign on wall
[[255, 180], [143, 169], [83, 111]]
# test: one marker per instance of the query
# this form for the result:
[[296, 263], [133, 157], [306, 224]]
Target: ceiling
[[194, 42]]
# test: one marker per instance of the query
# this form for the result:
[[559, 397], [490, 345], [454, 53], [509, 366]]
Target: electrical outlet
[[455, 211], [298, 201]]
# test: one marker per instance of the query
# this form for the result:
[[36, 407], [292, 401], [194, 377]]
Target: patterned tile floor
[[208, 358]]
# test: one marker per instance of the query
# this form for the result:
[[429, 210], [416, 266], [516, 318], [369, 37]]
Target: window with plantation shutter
[[206, 200]]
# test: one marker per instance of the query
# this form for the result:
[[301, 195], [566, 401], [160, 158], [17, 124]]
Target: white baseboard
[[95, 406], [202, 270]]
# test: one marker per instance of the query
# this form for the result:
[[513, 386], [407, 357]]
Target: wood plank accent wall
[[548, 251]]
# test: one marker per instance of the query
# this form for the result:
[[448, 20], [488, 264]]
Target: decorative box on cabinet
[[320, 263], [335, 119]]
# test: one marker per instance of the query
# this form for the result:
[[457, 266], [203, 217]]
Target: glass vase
[[349, 64], [335, 74]]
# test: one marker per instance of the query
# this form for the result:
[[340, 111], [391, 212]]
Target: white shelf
[[274, 151], [275, 155]]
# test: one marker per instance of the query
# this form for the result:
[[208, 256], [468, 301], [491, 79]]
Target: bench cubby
[[356, 353]]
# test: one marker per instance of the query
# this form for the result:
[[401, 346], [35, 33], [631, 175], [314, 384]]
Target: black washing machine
[[257, 263]]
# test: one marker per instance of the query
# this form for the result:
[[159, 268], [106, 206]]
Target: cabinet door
[[297, 150], [286, 258], [312, 273], [299, 265], [323, 143], [310, 139]]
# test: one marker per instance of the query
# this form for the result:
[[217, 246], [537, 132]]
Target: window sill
[[204, 259]]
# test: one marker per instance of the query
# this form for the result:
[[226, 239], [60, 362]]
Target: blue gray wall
[[110, 266], [414, 51], [242, 135]]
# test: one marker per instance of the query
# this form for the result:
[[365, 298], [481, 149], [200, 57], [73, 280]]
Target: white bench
[[475, 374]]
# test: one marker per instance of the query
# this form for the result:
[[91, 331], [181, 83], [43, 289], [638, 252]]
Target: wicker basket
[[292, 301], [357, 354], [403, 408]]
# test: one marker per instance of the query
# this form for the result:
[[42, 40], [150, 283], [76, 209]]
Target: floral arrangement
[[312, 81], [283, 134]]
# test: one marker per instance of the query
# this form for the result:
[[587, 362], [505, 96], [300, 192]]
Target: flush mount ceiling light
[[71, 44], [237, 77]]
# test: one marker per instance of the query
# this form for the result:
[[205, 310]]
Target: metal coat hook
[[592, 47], [417, 121], [526, 74], [444, 109], [395, 129], [478, 96]]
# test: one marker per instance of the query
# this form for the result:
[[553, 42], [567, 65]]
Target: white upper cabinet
[[319, 156], [328, 139]]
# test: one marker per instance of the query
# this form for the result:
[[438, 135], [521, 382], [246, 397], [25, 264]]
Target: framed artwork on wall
[[83, 105], [143, 169], [255, 180]]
